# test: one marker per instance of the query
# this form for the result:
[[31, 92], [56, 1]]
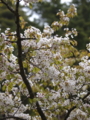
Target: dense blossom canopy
[[41, 80]]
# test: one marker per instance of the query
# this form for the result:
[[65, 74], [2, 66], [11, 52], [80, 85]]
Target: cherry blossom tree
[[42, 81]]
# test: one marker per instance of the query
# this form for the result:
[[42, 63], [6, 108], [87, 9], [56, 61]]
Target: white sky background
[[66, 1]]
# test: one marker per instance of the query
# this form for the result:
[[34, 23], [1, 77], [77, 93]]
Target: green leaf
[[30, 5], [4, 87], [10, 86], [35, 70]]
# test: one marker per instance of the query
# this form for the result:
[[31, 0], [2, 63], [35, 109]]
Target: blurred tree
[[47, 11], [46, 16], [82, 22], [7, 19]]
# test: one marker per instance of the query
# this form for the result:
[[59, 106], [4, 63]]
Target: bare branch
[[27, 39], [8, 6]]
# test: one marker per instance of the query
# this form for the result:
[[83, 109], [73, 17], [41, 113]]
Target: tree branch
[[69, 111], [20, 53], [86, 95], [27, 39], [8, 6], [40, 111], [21, 65]]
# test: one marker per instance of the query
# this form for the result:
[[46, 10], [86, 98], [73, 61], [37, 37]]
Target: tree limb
[[21, 65], [8, 6], [69, 111]]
